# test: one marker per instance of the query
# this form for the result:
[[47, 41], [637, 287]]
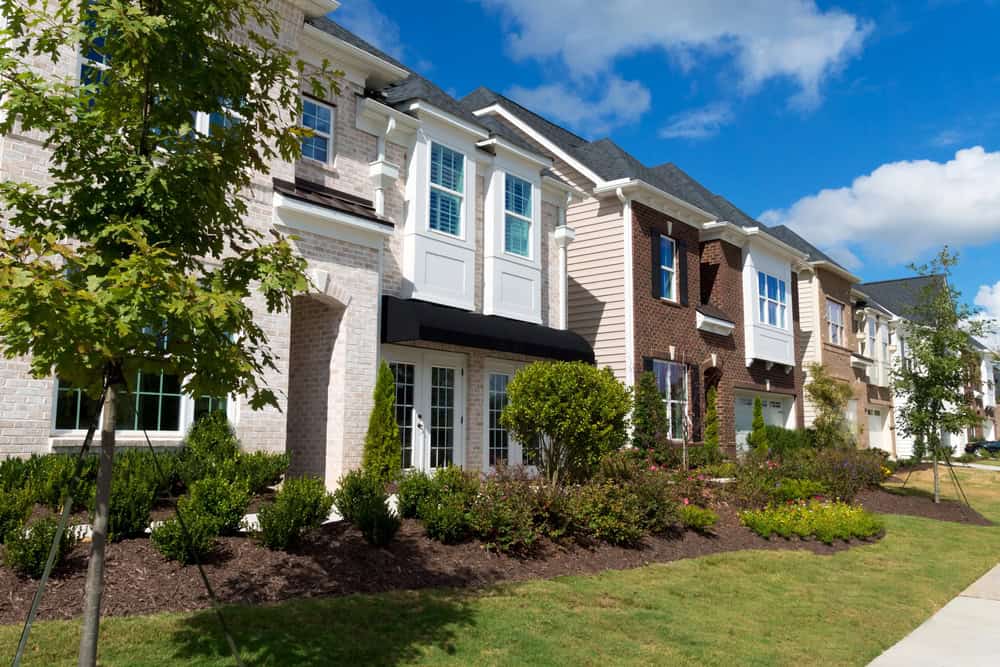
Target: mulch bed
[[337, 561], [918, 504]]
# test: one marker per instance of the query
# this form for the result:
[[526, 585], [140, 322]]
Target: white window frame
[[528, 219], [324, 135], [669, 401], [462, 222], [514, 448], [673, 298], [836, 329], [763, 301]]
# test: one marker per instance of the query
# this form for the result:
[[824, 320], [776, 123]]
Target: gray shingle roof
[[340, 32], [786, 235], [900, 296], [483, 97]]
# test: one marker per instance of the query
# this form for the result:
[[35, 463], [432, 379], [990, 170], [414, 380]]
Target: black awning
[[408, 320]]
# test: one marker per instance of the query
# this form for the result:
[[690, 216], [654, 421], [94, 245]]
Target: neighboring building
[[433, 241], [850, 337], [668, 277]]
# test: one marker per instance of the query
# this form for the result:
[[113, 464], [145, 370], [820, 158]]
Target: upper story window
[[884, 340], [835, 322], [317, 117], [671, 380], [93, 62], [773, 297], [872, 336], [517, 216], [447, 187], [668, 268]]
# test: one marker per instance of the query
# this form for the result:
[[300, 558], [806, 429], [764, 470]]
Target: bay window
[[447, 188], [773, 300]]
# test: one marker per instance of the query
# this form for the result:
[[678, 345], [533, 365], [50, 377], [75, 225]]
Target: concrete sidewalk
[[965, 632]]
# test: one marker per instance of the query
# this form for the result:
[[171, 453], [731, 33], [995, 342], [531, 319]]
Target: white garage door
[[777, 411]]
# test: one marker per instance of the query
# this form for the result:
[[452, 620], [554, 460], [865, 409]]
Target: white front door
[[876, 428], [430, 407]]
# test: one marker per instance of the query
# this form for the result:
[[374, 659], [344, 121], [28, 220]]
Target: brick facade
[[714, 276]]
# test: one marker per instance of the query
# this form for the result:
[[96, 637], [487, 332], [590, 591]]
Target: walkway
[[966, 632], [976, 466]]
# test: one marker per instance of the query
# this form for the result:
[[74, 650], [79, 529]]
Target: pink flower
[[687, 502], [653, 468]]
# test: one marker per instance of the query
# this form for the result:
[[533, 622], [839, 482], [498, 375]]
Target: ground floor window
[[442, 417], [74, 409], [404, 377], [499, 439], [671, 380]]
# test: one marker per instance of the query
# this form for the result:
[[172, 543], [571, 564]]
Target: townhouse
[[435, 241], [665, 276]]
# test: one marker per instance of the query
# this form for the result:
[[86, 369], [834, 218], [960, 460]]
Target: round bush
[[445, 517], [170, 540], [697, 518], [609, 512], [502, 517], [26, 551], [413, 487], [361, 499], [223, 501], [132, 499], [15, 507], [302, 503]]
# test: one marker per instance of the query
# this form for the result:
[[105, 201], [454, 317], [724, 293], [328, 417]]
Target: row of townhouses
[[460, 239]]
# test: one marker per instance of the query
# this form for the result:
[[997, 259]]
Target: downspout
[[628, 289], [564, 236]]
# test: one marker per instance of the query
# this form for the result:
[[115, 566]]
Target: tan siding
[[809, 341], [597, 280]]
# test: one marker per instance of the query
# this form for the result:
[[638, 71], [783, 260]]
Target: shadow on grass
[[358, 629]]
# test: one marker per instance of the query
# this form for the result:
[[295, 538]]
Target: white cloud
[[365, 20], [766, 39], [903, 209], [621, 102], [988, 298], [947, 138], [698, 123]]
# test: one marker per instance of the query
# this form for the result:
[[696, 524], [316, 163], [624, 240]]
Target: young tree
[[576, 412], [649, 417], [758, 433], [940, 364], [831, 397], [712, 452], [382, 444], [137, 257]]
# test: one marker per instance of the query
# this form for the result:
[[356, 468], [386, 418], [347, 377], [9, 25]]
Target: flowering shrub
[[824, 521], [502, 516], [796, 489], [609, 512], [697, 518]]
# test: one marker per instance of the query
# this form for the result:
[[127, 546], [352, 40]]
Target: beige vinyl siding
[[597, 280], [811, 341]]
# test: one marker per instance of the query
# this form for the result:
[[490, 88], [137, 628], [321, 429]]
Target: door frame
[[496, 367], [423, 360]]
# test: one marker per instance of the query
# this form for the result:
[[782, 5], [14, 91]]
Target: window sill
[[670, 302]]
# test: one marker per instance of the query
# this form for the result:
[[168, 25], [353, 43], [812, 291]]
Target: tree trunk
[[936, 444], [95, 567]]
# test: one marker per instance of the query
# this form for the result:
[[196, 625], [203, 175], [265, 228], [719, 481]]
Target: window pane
[[445, 212], [316, 148], [763, 305], [149, 412], [782, 313], [677, 420], [442, 416], [772, 313], [772, 288], [171, 384], [516, 236], [667, 283], [403, 375], [499, 440], [678, 382], [517, 197], [661, 370], [447, 167], [170, 413], [666, 252], [66, 408], [316, 116], [761, 279], [781, 291], [149, 382]]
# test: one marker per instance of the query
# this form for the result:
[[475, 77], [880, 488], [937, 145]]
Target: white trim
[[383, 121], [741, 236], [425, 108], [674, 288], [353, 54], [499, 142], [629, 288], [713, 324], [316, 7], [536, 136], [295, 214], [329, 136], [493, 366], [629, 184]]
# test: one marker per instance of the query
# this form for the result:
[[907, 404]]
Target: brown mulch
[[337, 561], [915, 503]]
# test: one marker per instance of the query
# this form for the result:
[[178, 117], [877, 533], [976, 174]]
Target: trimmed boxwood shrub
[[361, 499], [782, 441], [15, 507], [223, 501], [697, 518], [210, 449], [132, 498], [824, 521], [261, 470], [413, 487], [26, 551], [302, 503], [445, 517], [502, 516], [169, 538], [609, 512]]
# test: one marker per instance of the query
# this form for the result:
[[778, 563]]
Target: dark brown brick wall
[[714, 275]]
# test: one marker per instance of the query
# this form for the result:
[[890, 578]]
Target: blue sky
[[873, 128]]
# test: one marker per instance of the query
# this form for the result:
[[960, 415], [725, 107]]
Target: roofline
[[637, 183], [733, 233], [535, 135], [901, 280], [523, 153], [316, 7], [391, 71], [835, 268], [558, 185], [426, 107]]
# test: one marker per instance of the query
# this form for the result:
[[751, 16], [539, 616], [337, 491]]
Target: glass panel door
[[499, 439], [442, 426], [404, 408]]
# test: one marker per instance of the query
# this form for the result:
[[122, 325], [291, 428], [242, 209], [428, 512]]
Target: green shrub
[[139, 463], [210, 449], [502, 516], [797, 489], [223, 501], [723, 470], [697, 518], [575, 412], [261, 470], [15, 507], [649, 418], [702, 454], [445, 516], [382, 454], [843, 472], [758, 431], [553, 511], [26, 551], [609, 512], [132, 498], [830, 396], [14, 474], [169, 538], [756, 480], [655, 495], [782, 441], [51, 475], [624, 465], [713, 453], [413, 487], [302, 504], [826, 522], [361, 499]]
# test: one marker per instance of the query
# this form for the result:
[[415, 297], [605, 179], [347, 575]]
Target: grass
[[751, 608]]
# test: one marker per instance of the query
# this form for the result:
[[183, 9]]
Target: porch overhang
[[409, 320]]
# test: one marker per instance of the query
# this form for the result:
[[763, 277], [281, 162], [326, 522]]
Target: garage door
[[776, 410]]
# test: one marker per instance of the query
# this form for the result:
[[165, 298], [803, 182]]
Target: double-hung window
[[668, 268], [447, 187], [317, 117], [517, 216], [671, 380], [835, 321], [773, 300]]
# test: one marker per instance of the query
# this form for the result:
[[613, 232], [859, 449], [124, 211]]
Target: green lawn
[[752, 608]]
